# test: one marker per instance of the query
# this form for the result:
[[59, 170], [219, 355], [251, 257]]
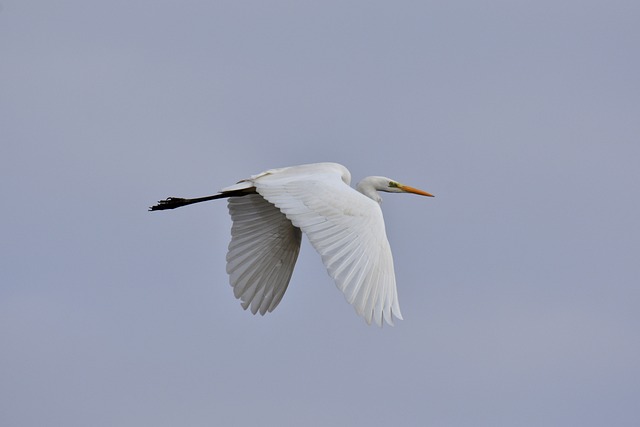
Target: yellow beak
[[408, 189]]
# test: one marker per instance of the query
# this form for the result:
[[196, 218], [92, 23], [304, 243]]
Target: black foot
[[170, 203]]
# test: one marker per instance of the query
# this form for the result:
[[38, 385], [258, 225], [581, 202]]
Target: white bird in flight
[[270, 211]]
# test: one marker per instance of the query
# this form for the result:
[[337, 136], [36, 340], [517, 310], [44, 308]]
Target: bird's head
[[395, 187], [371, 185]]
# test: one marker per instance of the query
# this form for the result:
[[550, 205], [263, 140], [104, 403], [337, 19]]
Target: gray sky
[[519, 283]]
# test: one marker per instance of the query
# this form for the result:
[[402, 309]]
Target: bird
[[271, 210]]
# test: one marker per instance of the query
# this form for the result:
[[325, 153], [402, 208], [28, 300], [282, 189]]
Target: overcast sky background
[[519, 283]]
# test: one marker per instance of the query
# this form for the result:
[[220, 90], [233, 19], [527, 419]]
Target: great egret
[[345, 226]]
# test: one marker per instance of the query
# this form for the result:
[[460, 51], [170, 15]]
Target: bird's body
[[271, 210]]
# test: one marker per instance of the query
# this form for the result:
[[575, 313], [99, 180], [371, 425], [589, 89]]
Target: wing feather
[[347, 229], [262, 254]]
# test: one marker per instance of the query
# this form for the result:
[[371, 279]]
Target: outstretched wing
[[262, 253], [346, 228]]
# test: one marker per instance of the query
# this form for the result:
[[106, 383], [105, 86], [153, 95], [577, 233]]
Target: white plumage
[[344, 225]]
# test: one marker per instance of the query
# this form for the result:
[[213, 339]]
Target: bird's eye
[[393, 184]]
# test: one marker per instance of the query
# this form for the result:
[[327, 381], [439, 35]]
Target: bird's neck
[[368, 187]]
